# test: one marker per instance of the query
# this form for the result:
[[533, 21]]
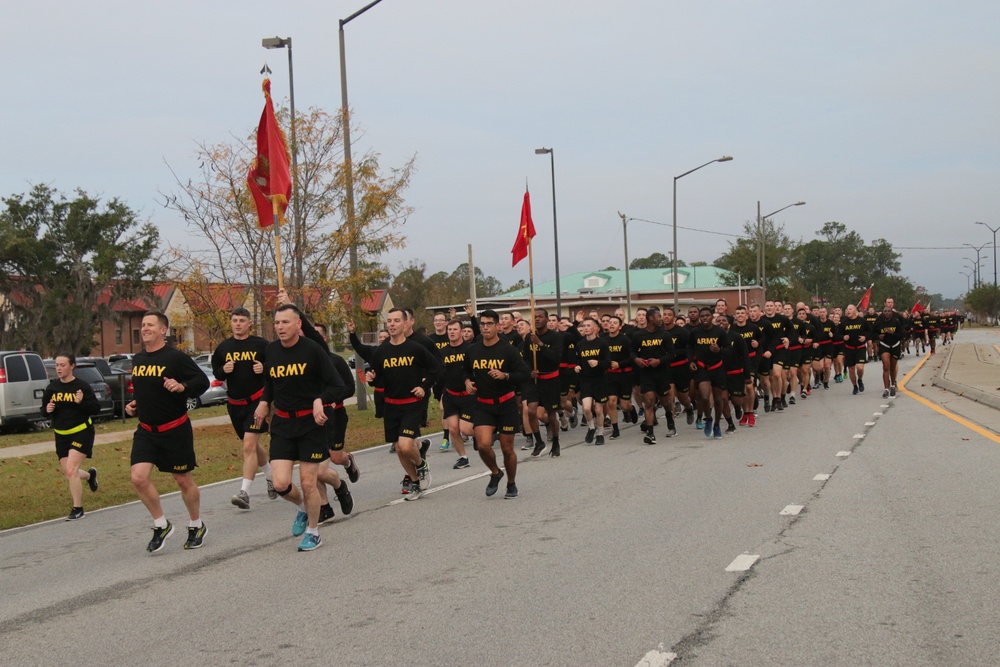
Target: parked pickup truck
[[118, 380]]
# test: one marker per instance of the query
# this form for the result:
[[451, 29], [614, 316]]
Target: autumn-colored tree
[[219, 210]]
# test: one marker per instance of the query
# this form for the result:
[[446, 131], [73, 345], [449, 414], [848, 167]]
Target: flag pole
[[531, 292], [277, 241]]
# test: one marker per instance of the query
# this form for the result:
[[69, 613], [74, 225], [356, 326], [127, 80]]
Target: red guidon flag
[[917, 307], [269, 177], [863, 304], [525, 232]]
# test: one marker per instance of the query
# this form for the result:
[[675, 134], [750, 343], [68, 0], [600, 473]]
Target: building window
[[136, 338], [119, 333], [595, 281]]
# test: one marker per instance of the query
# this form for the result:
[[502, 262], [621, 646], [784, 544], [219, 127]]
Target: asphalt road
[[613, 555]]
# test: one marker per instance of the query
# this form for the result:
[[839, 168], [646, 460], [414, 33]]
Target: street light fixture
[[978, 250], [551, 152], [762, 268], [286, 43], [968, 288], [724, 158], [349, 184], [994, 230]]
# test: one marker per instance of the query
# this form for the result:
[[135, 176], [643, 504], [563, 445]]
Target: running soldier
[[593, 360], [889, 331], [855, 336], [619, 375], [653, 353], [753, 338]]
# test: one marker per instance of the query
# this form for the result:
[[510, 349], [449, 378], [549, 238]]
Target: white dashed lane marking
[[791, 510], [742, 563], [821, 478], [843, 453], [656, 658]]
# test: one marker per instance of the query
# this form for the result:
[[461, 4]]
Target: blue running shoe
[[700, 424], [708, 428], [717, 432], [310, 542], [445, 445], [299, 526]]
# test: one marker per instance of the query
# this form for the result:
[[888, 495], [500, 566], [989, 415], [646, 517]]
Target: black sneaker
[[196, 537], [494, 484], [731, 428], [885, 394], [75, 513], [392, 448], [855, 392], [92, 482], [690, 415], [573, 419], [649, 438], [541, 449], [861, 384], [555, 449], [325, 513], [159, 535], [511, 491], [784, 402], [776, 405], [892, 390], [615, 433], [671, 432], [767, 404], [425, 446], [599, 440], [353, 472], [643, 427], [345, 498], [462, 462], [826, 385], [589, 438]]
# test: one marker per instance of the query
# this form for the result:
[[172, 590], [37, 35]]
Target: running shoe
[[424, 473], [744, 419], [75, 513], [738, 411], [607, 422], [494, 483], [345, 498], [599, 440], [784, 402], [690, 415], [196, 537], [700, 424], [861, 385], [92, 482], [671, 432], [855, 392], [563, 422], [300, 524], [325, 513], [731, 429], [310, 542], [892, 390], [643, 427], [615, 434], [541, 449], [803, 394], [405, 484], [462, 462], [353, 472], [826, 385], [414, 491], [425, 446], [717, 432], [392, 448], [589, 438], [649, 438], [777, 405], [444, 445], [753, 420], [242, 500], [159, 536], [885, 394], [707, 429], [272, 493], [555, 449], [767, 404], [574, 419], [511, 491], [529, 443], [791, 400]]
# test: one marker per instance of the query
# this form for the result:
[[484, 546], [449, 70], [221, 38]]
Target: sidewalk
[[972, 370], [36, 448]]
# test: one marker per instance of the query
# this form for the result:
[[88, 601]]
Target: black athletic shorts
[[620, 385], [679, 375], [543, 392], [298, 439], [402, 421], [795, 357], [765, 364], [569, 381], [595, 388], [655, 380], [457, 405], [716, 377], [336, 427], [780, 358], [754, 362], [855, 357], [736, 383], [171, 451], [241, 417], [895, 351], [503, 417], [81, 441]]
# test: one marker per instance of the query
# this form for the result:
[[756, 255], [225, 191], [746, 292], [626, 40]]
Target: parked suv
[[22, 382], [119, 381]]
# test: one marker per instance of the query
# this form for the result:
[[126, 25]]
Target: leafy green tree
[[657, 260], [984, 302], [779, 259], [63, 264]]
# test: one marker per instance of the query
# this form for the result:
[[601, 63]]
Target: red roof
[[371, 302]]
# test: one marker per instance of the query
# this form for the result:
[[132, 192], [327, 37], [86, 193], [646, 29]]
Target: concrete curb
[[965, 391]]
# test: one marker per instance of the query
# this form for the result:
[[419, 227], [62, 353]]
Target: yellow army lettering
[[63, 396], [316, 456], [148, 371], [590, 353], [652, 342], [487, 364], [180, 468], [241, 356], [287, 370], [707, 341], [615, 348], [397, 362], [455, 358]]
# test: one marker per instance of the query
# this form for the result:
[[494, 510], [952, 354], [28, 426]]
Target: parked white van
[[22, 382]]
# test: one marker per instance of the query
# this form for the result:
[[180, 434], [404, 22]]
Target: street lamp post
[[994, 230], [724, 158], [297, 235], [979, 250], [968, 287], [551, 152], [349, 184], [628, 285], [762, 272]]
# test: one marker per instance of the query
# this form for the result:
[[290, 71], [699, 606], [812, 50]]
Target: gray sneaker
[[424, 473], [511, 491], [271, 493], [242, 500]]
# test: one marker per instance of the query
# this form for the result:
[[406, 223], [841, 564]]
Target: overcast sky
[[881, 115]]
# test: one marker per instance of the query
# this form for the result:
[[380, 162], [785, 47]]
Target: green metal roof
[[640, 280]]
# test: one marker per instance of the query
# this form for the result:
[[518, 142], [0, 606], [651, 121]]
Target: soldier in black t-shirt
[[163, 379], [889, 329], [239, 362]]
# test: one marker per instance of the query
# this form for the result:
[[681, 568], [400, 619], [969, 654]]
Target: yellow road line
[[901, 385]]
